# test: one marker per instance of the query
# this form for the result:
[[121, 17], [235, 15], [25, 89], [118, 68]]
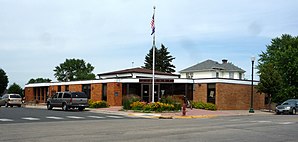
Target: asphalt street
[[30, 115], [259, 128]]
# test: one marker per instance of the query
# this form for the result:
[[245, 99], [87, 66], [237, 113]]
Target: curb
[[188, 117]]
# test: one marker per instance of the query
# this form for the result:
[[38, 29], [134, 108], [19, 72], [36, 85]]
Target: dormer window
[[189, 75], [231, 75]]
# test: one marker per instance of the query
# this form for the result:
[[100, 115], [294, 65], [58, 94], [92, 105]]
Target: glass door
[[145, 92]]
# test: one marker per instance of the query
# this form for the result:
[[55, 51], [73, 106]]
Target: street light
[[251, 110]]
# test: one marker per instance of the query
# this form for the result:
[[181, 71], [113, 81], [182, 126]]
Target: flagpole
[[153, 62]]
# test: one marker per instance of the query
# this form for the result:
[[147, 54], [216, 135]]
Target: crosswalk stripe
[[30, 118], [113, 116], [54, 117], [75, 117], [4, 119], [95, 117], [286, 123]]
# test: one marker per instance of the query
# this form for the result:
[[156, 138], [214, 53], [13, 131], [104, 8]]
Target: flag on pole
[[152, 25]]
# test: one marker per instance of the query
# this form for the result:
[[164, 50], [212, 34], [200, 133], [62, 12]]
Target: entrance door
[[156, 92], [147, 92]]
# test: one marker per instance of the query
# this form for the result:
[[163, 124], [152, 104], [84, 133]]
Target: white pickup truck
[[68, 100]]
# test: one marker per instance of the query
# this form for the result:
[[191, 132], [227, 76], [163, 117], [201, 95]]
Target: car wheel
[[294, 111], [49, 106], [64, 107], [19, 105], [81, 108]]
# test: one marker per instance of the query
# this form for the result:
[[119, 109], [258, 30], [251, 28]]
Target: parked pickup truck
[[68, 100]]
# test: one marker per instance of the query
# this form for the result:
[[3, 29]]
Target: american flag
[[152, 25]]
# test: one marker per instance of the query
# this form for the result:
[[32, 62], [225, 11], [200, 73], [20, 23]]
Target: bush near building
[[129, 99], [201, 105], [98, 104], [132, 102]]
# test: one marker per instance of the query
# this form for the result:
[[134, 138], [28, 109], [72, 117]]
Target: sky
[[38, 35]]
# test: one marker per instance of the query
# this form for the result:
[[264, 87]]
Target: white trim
[[137, 80], [126, 80], [244, 82]]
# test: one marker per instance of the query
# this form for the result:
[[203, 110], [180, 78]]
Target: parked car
[[11, 100], [289, 106], [67, 100]]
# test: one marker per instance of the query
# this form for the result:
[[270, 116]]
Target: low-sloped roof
[[210, 65], [137, 70]]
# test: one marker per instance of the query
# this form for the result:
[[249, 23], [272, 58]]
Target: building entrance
[[146, 92]]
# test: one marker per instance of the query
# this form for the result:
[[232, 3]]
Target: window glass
[[15, 96], [55, 95], [79, 95], [59, 95], [67, 95], [231, 75]]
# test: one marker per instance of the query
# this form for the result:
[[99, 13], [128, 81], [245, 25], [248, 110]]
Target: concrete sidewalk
[[190, 113]]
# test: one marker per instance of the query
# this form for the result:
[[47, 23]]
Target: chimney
[[224, 61]]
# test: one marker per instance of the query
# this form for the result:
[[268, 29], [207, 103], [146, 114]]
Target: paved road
[[273, 128], [29, 115]]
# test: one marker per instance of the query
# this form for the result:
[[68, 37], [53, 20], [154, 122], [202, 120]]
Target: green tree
[[74, 69], [278, 69], [163, 60], [39, 80], [3, 81], [16, 89]]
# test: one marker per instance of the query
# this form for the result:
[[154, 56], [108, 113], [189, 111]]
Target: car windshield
[[78, 95], [288, 103], [15, 96]]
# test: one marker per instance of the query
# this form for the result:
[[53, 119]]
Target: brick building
[[226, 93]]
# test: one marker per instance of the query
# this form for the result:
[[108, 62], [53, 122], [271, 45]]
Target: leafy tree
[[74, 69], [278, 69], [39, 80], [15, 88], [3, 81], [163, 60]]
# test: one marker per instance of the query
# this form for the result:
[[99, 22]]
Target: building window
[[59, 88], [211, 88], [240, 75], [231, 75], [66, 87], [217, 74], [87, 89], [189, 75], [104, 92]]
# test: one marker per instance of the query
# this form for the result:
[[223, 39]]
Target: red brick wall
[[200, 93], [29, 94], [96, 92], [236, 97], [112, 88], [230, 96], [52, 90], [75, 88]]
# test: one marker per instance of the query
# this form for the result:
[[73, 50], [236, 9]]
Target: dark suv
[[68, 100]]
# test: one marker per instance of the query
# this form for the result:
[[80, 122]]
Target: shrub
[[137, 105], [210, 106], [201, 105], [128, 100], [158, 107], [98, 104], [176, 102]]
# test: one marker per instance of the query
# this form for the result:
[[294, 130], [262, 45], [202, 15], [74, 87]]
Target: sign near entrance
[[157, 80]]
